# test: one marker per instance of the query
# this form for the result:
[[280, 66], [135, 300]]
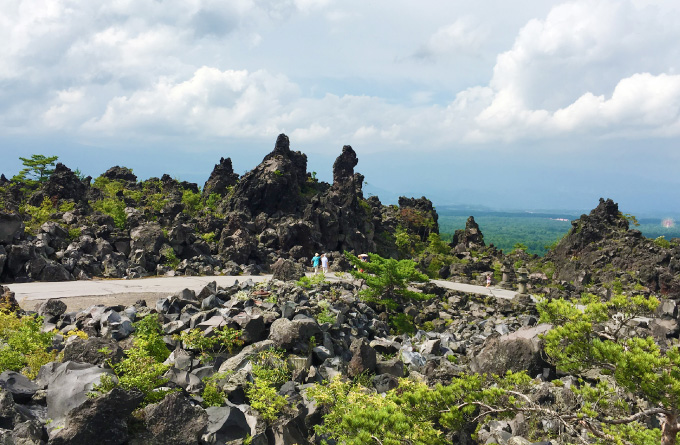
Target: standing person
[[488, 280], [324, 263], [315, 263]]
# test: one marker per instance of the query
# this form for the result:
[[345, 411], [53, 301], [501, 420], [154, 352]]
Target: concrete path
[[39, 291]]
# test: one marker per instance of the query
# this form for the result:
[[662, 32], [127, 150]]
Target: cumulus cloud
[[462, 36], [147, 69]]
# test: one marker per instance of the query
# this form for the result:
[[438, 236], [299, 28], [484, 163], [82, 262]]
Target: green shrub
[[209, 237], [271, 366], [74, 234], [402, 324], [309, 282], [265, 399], [24, 347], [191, 201], [142, 367], [171, 259], [39, 215], [212, 394], [224, 339], [326, 315], [115, 208], [662, 242]]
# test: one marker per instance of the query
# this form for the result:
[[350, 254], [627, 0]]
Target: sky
[[529, 104]]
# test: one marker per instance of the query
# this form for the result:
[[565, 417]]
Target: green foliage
[[270, 370], [115, 208], [171, 259], [326, 315], [209, 237], [387, 280], [37, 169], [635, 365], [365, 206], [39, 215], [402, 324], [211, 202], [412, 413], [212, 394], [149, 337], [265, 400], [662, 242], [630, 218], [67, 206], [142, 367], [24, 347], [519, 247], [74, 234], [191, 201], [271, 366], [224, 339], [310, 282], [278, 172]]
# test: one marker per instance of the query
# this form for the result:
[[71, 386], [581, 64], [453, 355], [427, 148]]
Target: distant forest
[[537, 231]]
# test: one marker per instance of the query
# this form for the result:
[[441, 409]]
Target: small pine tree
[[37, 169], [387, 280]]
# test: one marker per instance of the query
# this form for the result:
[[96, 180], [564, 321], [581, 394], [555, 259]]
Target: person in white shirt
[[324, 263]]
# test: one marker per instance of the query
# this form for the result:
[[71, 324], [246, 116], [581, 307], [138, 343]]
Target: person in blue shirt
[[315, 263]]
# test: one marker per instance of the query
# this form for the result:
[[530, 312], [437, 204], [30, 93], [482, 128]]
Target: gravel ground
[[77, 303]]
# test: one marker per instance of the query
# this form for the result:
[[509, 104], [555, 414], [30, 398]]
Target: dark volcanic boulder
[[221, 178], [101, 420], [174, 420], [518, 351], [64, 184], [10, 225], [120, 174], [93, 350], [287, 270]]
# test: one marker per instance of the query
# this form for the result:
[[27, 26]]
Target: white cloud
[[462, 36], [207, 68]]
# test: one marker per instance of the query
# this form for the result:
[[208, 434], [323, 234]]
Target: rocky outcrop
[[273, 187], [63, 184], [221, 178], [601, 249], [470, 238]]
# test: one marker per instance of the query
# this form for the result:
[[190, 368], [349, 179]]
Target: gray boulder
[[67, 386], [363, 359], [287, 270], [10, 225], [52, 309], [175, 420], [20, 386], [91, 350], [101, 420], [294, 335], [518, 351], [226, 423]]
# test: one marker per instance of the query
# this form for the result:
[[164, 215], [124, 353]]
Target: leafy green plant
[[74, 233], [224, 339], [39, 215], [212, 394], [191, 201], [270, 370], [402, 324], [387, 280], [662, 242], [265, 400], [171, 259], [25, 347], [310, 282], [209, 237], [142, 367], [326, 315], [115, 208]]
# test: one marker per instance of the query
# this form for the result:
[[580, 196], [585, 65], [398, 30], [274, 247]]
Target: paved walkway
[[38, 291]]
